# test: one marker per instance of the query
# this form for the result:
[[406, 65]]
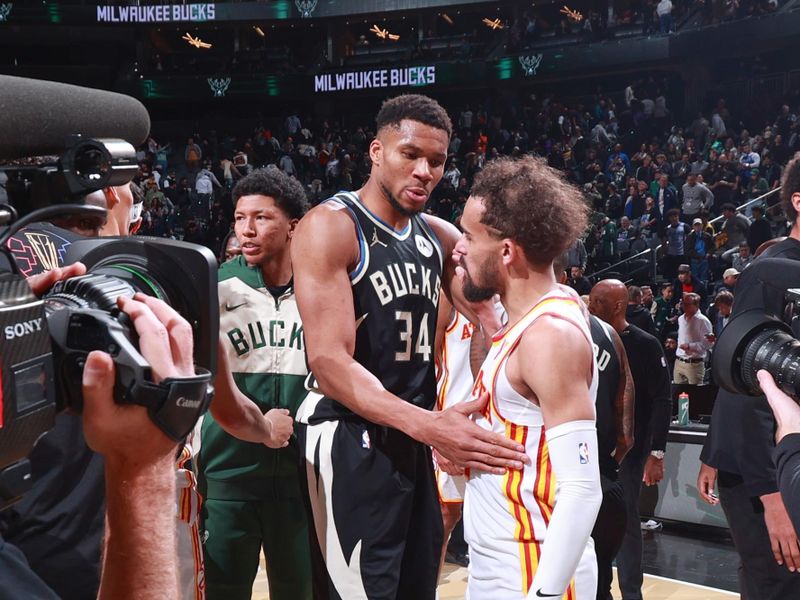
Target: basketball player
[[369, 270], [529, 530], [252, 494]]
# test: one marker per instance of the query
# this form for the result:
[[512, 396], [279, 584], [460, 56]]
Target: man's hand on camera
[[785, 409], [124, 433], [281, 425], [44, 281]]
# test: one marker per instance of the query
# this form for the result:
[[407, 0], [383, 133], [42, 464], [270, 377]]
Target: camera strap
[[175, 404]]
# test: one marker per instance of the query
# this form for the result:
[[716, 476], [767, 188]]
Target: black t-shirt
[[17, 580], [787, 459], [638, 315], [652, 381], [59, 523], [608, 366]]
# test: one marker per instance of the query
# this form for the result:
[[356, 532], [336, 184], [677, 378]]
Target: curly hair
[[790, 184], [287, 192], [531, 203], [414, 107]]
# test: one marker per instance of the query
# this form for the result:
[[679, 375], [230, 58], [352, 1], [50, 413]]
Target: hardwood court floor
[[454, 582]]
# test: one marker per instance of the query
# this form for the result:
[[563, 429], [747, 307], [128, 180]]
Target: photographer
[[739, 447], [139, 557]]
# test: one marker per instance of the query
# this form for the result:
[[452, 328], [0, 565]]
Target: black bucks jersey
[[396, 286], [608, 365]]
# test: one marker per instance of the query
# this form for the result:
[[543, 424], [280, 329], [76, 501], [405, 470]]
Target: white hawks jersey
[[506, 516], [454, 383]]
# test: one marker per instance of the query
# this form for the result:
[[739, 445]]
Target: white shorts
[[451, 487], [498, 576]]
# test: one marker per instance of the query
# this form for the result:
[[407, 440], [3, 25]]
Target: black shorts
[[376, 522]]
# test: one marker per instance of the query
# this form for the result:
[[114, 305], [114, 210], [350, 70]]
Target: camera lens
[[777, 352]]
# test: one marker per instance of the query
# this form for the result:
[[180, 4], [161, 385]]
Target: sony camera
[[44, 341], [763, 330]]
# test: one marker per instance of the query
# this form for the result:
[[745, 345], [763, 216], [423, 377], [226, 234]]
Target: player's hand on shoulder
[[461, 441], [281, 426]]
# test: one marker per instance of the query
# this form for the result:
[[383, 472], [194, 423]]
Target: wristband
[[175, 404], [659, 454]]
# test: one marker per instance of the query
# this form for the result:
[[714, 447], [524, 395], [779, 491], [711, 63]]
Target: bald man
[[608, 300]]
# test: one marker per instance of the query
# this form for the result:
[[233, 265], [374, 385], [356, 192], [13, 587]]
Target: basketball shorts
[[374, 510], [191, 577], [450, 487]]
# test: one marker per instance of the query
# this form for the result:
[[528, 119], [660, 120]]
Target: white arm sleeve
[[573, 454]]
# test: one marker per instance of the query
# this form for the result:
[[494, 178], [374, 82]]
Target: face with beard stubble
[[478, 252]]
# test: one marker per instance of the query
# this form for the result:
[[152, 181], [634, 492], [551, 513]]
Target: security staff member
[[608, 300], [614, 404]]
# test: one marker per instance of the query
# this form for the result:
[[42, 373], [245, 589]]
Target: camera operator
[[787, 448], [738, 451], [59, 523], [139, 557]]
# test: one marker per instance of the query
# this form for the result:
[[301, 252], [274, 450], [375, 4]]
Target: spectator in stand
[[647, 298], [578, 281], [770, 171], [685, 283], [666, 195], [699, 248], [748, 160], [718, 128], [759, 231], [700, 167], [696, 197], [192, 155], [723, 180], [729, 279], [614, 205], [619, 154], [626, 232], [757, 186], [577, 255], [720, 312], [695, 338], [744, 258], [664, 12], [646, 172], [204, 188], [735, 229], [675, 242], [608, 241], [681, 170], [663, 311], [651, 223], [636, 314]]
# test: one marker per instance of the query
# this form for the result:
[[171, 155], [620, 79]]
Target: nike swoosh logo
[[361, 319], [539, 594], [235, 306]]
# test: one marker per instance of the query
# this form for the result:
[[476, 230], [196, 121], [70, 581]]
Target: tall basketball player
[[369, 270], [529, 530]]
